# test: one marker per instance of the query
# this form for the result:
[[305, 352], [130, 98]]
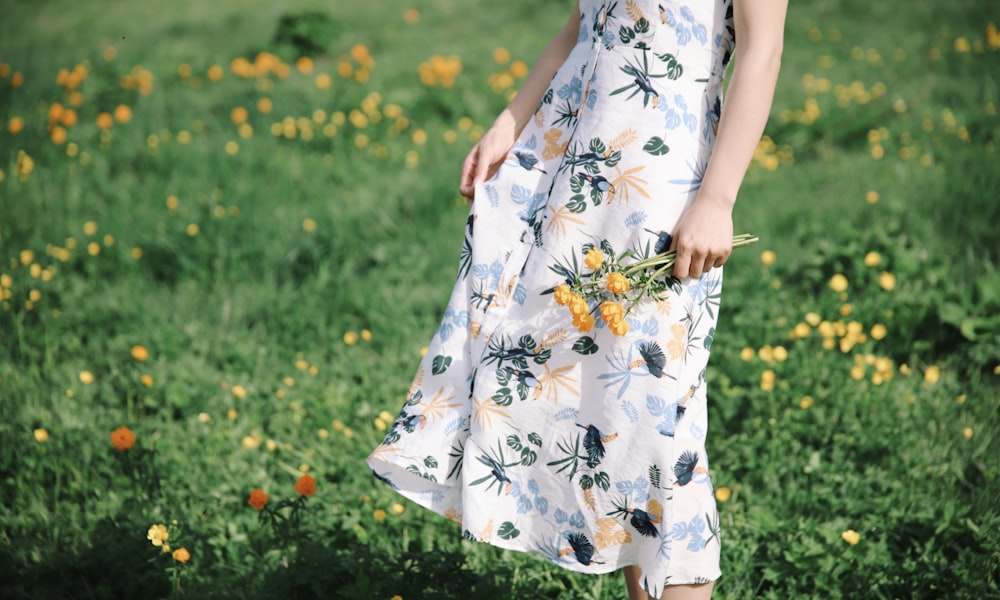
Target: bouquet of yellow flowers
[[612, 288]]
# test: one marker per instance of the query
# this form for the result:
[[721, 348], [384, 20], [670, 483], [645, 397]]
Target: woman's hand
[[488, 154], [703, 237]]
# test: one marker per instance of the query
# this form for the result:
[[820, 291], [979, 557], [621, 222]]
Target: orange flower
[[140, 353], [258, 499], [123, 114], [122, 438], [181, 555], [305, 486], [617, 283]]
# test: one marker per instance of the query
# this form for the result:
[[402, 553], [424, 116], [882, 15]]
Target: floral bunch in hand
[[612, 284]]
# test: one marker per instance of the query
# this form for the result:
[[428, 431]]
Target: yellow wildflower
[[617, 283], [594, 259], [158, 534], [851, 537]]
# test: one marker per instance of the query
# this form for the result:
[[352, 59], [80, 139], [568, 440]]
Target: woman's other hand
[[488, 154], [703, 237]]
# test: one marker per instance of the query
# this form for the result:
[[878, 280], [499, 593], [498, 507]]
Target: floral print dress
[[584, 446]]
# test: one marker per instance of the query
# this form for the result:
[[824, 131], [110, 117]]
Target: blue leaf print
[[445, 330], [576, 520], [531, 142], [672, 120], [461, 319], [492, 272], [687, 14], [630, 410], [637, 218], [493, 195], [561, 516], [455, 425], [697, 431], [691, 122], [651, 326], [655, 405], [542, 505], [520, 294], [572, 91], [523, 505], [700, 33], [532, 486], [591, 100], [608, 38], [680, 102], [697, 290], [670, 18], [638, 489], [566, 414], [515, 489], [683, 35]]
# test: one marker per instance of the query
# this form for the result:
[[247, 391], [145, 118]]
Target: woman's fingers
[[466, 185]]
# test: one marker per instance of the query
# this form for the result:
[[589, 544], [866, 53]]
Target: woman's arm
[[703, 236], [486, 156]]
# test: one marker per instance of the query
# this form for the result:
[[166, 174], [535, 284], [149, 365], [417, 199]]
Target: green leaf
[[656, 146], [585, 345], [440, 364], [535, 439], [514, 442], [528, 456], [507, 531], [586, 482]]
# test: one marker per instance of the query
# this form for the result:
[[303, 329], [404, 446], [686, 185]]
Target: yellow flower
[[594, 259], [872, 259], [146, 379], [878, 331], [806, 402], [838, 283], [619, 327], [723, 494], [86, 377], [611, 311], [747, 354], [813, 319], [617, 283], [158, 534], [563, 295], [780, 353], [350, 338], [239, 391], [932, 374], [397, 508], [801, 330], [41, 435], [851, 537], [379, 514], [967, 433], [767, 257], [887, 280], [584, 322], [578, 306], [139, 353]]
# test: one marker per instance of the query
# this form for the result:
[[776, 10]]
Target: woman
[[584, 441]]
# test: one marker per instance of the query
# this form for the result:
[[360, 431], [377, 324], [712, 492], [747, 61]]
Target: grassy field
[[231, 228]]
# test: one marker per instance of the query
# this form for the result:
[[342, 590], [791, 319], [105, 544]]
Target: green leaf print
[[514, 442], [535, 439], [586, 482], [527, 342], [440, 364], [656, 146], [503, 397], [603, 480], [507, 531], [585, 345], [528, 456], [674, 68], [430, 462], [642, 25], [577, 204]]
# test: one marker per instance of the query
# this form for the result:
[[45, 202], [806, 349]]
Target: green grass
[[909, 462]]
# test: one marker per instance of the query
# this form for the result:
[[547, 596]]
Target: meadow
[[228, 231]]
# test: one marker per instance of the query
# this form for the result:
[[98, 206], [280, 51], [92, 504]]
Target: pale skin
[[703, 235]]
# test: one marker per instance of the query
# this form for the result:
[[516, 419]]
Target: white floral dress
[[584, 447]]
